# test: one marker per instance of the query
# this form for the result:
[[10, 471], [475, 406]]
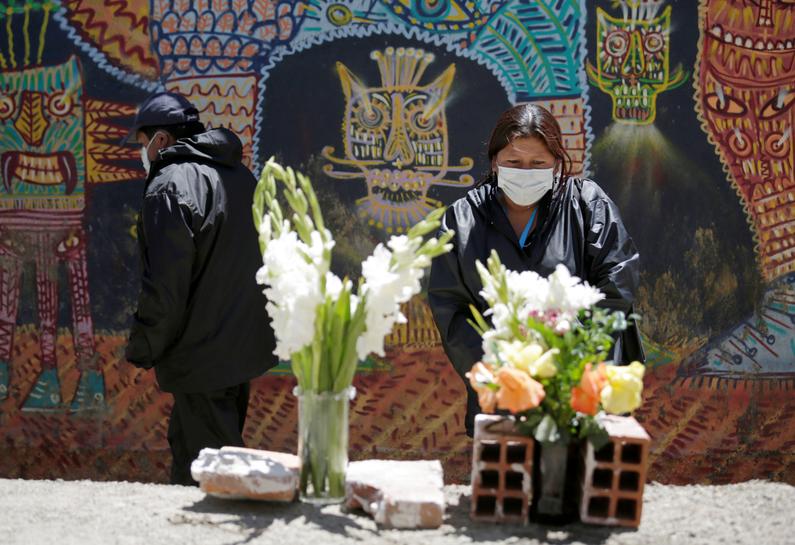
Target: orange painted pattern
[[118, 28], [414, 410], [224, 101]]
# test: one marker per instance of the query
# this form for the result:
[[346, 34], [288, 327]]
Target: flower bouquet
[[544, 357], [324, 325]]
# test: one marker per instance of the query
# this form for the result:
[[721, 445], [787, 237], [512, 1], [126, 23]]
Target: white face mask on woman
[[145, 153], [525, 186]]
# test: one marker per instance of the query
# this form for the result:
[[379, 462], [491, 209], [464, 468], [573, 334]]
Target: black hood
[[218, 145]]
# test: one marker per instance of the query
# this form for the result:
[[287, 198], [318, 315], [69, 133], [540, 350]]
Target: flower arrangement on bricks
[[544, 363], [323, 324]]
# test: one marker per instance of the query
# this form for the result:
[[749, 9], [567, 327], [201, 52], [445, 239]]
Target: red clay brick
[[613, 478], [502, 468]]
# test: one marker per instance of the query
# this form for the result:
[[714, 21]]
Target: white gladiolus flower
[[490, 339], [291, 272], [301, 288], [265, 229], [392, 276], [334, 285], [500, 318]]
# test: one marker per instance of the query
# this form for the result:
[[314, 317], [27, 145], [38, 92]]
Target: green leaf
[[591, 429], [530, 421], [547, 430], [552, 339], [341, 317], [319, 383], [297, 366], [480, 325], [349, 357]]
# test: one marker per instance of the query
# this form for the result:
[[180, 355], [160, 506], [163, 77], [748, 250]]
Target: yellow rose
[[520, 355], [624, 385], [544, 367]]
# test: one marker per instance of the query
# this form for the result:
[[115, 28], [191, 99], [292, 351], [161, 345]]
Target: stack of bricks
[[502, 467], [613, 477]]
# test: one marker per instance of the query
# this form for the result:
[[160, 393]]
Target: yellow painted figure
[[395, 138], [632, 60]]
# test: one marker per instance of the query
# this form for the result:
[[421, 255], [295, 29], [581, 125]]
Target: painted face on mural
[[41, 133], [396, 135], [747, 98], [632, 56], [401, 130]]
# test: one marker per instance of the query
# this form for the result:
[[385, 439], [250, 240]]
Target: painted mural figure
[[530, 197], [395, 138], [632, 60], [209, 51], [745, 95], [42, 202]]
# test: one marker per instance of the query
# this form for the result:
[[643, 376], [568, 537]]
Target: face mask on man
[[145, 153], [525, 186]]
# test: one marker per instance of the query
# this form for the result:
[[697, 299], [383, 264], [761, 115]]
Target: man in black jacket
[[201, 320]]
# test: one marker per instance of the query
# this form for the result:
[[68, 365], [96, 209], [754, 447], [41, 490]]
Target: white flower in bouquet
[[501, 316], [568, 294], [554, 301], [544, 365], [528, 289]]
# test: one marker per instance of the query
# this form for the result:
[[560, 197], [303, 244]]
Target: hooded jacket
[[201, 320], [579, 226]]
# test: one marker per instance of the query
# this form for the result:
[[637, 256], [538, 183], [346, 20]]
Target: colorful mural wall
[[681, 110]]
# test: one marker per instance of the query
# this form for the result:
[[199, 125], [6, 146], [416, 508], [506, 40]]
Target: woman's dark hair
[[182, 130], [529, 120]]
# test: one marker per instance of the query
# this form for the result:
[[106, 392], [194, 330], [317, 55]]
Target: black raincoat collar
[[485, 202], [220, 146]]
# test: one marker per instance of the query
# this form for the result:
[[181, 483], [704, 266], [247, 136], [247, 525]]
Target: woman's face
[[524, 152]]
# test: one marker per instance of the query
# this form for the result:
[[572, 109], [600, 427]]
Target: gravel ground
[[94, 513]]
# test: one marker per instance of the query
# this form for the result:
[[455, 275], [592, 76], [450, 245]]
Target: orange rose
[[487, 399], [585, 397], [518, 391], [481, 375]]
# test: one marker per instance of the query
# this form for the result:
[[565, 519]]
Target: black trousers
[[204, 420]]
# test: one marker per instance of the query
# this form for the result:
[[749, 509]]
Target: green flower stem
[[349, 359], [338, 448], [323, 444]]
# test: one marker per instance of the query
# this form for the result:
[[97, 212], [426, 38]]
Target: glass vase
[[323, 444], [556, 489]]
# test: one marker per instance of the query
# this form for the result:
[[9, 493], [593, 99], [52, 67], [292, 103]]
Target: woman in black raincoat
[[536, 216]]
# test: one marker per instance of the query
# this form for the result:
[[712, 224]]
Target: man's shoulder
[[175, 178]]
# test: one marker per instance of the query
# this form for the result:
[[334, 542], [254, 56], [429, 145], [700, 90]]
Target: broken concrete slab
[[243, 473], [398, 494]]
